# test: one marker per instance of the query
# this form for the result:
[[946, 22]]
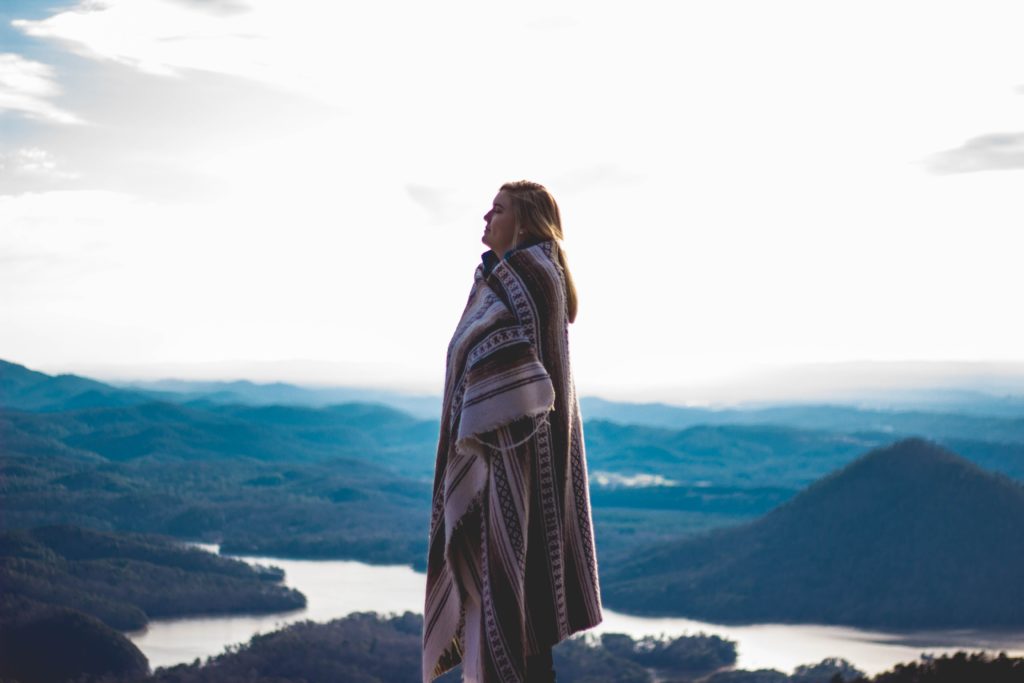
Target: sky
[[294, 190]]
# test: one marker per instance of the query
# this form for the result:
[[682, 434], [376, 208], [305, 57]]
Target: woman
[[511, 564]]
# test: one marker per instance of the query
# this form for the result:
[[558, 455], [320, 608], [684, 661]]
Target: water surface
[[335, 588]]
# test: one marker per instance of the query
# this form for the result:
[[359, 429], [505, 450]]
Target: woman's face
[[500, 231]]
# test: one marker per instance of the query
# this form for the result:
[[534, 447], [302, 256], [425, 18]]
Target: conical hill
[[907, 536]]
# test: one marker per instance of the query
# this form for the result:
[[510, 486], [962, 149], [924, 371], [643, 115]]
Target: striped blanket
[[511, 563]]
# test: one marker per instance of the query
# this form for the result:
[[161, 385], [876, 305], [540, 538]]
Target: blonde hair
[[537, 220]]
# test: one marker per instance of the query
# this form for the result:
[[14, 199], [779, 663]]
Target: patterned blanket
[[511, 563]]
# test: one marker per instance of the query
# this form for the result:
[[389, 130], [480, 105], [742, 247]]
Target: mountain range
[[946, 413], [25, 389], [353, 481]]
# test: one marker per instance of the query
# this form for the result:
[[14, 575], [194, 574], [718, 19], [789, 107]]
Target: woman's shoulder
[[531, 279], [539, 258]]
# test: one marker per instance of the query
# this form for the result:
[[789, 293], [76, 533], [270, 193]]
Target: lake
[[335, 588]]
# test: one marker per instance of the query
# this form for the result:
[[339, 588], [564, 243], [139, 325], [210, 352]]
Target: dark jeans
[[540, 668]]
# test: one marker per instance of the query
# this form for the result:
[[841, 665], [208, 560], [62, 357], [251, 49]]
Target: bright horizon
[[860, 383], [752, 192]]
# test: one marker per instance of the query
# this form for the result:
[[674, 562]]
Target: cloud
[[263, 42], [437, 202], [221, 7], [54, 237], [156, 36], [32, 161], [26, 87], [992, 152], [597, 177], [343, 54], [553, 23]]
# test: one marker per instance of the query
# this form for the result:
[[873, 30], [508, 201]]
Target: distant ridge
[[278, 393], [30, 390], [907, 536], [952, 415], [24, 389], [986, 417]]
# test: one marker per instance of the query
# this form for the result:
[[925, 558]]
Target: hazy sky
[[193, 185]]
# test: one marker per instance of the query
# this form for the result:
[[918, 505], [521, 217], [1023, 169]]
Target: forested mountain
[[725, 455], [65, 592], [156, 472], [284, 480], [126, 579], [179, 432], [908, 536]]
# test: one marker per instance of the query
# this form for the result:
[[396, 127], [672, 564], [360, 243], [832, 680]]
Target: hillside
[[121, 431], [151, 468], [908, 536], [126, 579], [31, 634]]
